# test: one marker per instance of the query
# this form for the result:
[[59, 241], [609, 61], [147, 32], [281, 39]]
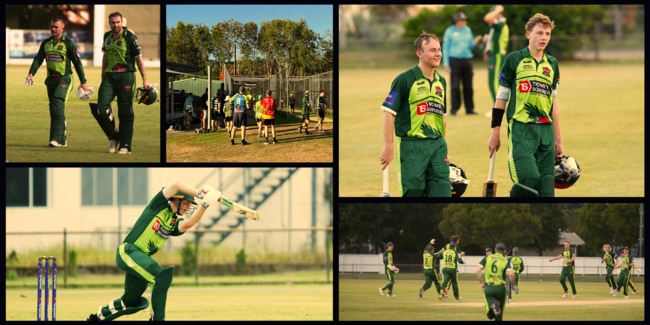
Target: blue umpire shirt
[[457, 43]]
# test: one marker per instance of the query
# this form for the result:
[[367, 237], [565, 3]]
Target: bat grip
[[491, 169]]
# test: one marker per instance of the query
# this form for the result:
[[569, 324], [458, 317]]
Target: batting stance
[[493, 282], [60, 53], [121, 54], [390, 270], [531, 77], [568, 269], [171, 212]]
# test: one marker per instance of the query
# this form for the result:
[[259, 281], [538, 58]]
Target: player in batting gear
[[60, 54], [390, 270], [121, 55], [171, 212]]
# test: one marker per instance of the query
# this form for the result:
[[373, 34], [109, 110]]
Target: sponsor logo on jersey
[[156, 225], [390, 99]]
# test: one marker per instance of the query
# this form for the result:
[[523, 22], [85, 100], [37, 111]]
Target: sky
[[319, 18]]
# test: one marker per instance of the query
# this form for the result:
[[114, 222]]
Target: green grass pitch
[[28, 123], [359, 299]]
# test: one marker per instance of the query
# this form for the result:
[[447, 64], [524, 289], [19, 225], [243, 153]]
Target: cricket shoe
[[459, 299], [92, 318], [391, 296], [626, 297], [496, 309], [616, 292], [611, 291], [421, 292], [565, 295], [634, 291], [266, 141], [112, 146], [575, 296], [56, 144], [381, 292], [244, 142], [124, 151]]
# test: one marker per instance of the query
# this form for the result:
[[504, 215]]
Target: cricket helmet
[[458, 180], [389, 244], [147, 96], [566, 172], [184, 196]]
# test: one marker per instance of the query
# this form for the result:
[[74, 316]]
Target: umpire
[[59, 52], [493, 282]]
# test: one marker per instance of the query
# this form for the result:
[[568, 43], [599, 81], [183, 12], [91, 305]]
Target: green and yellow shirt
[[121, 52], [419, 105], [59, 57], [495, 266], [609, 259], [517, 264], [532, 85]]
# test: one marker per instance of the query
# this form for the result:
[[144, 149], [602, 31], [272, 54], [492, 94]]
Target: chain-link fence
[[284, 87]]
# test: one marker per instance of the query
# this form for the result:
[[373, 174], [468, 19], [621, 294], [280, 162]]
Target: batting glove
[[203, 191], [211, 198], [29, 81]]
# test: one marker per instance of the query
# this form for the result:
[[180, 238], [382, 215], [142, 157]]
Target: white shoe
[[615, 293], [124, 151], [55, 144], [575, 296], [381, 292], [112, 146], [565, 295], [391, 296], [626, 297]]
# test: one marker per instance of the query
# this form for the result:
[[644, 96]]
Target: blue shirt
[[457, 43], [239, 103]]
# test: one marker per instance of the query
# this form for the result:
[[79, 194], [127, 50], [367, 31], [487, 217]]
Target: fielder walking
[[414, 111], [610, 260], [390, 269], [171, 212], [429, 264], [493, 282], [517, 264], [121, 55], [60, 54], [624, 276], [568, 269], [531, 77]]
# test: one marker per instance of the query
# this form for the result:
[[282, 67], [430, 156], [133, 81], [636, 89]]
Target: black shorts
[[214, 116], [240, 119], [305, 117], [228, 118], [321, 113], [269, 122]]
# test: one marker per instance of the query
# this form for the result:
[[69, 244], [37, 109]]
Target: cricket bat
[[244, 211], [490, 186], [384, 192]]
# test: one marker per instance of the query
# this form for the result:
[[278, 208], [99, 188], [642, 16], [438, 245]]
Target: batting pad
[[106, 120], [520, 190], [116, 309]]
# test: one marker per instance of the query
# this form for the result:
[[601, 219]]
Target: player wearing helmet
[[171, 212]]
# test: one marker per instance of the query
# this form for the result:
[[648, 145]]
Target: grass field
[[602, 120], [359, 299], [28, 123], [188, 146], [286, 296]]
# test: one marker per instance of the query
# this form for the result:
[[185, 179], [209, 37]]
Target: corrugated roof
[[571, 237]]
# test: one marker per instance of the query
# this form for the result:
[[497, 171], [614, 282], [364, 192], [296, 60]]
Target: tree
[[615, 224], [551, 217]]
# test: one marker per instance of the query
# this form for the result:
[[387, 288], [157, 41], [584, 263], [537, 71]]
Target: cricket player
[[171, 212], [121, 55], [624, 276], [450, 260], [429, 264], [528, 84], [414, 111], [493, 282], [568, 258], [517, 265], [390, 270], [496, 46], [610, 260], [60, 53]]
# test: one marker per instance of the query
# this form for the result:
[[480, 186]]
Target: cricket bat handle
[[491, 169], [385, 192]]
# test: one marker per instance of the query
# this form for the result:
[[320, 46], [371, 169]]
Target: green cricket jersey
[[517, 264], [428, 260], [154, 226], [450, 259], [498, 38], [495, 266], [121, 52], [388, 258], [531, 85], [626, 262], [60, 57], [418, 104], [567, 254], [609, 258]]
